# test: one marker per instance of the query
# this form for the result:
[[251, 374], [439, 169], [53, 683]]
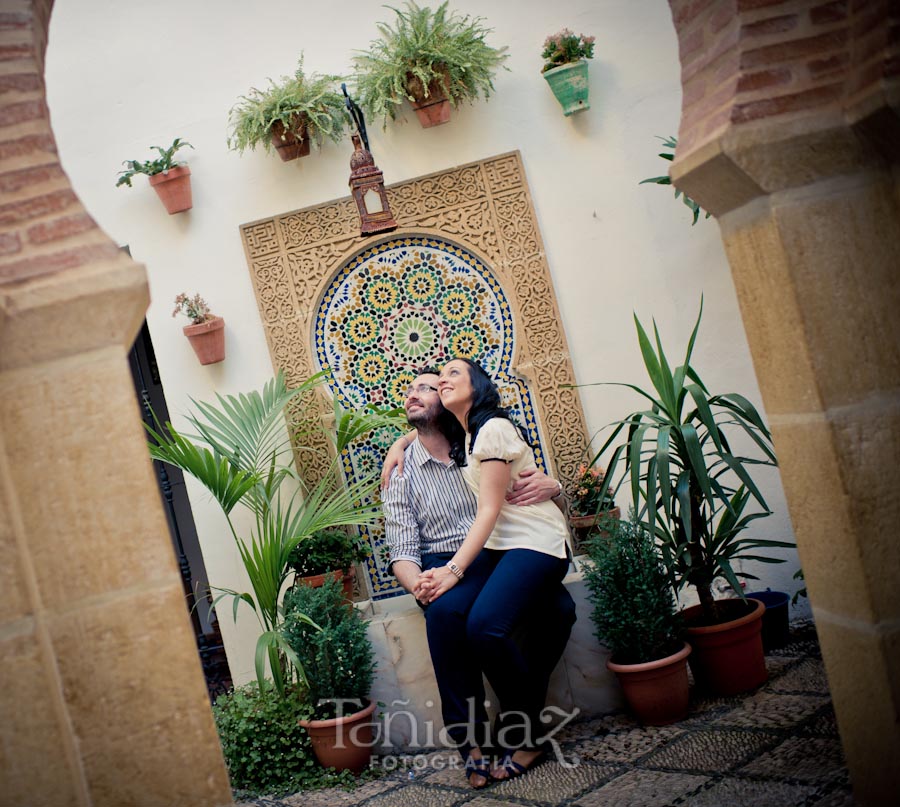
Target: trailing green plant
[[565, 47], [693, 491], [421, 47], [633, 604], [800, 592], [194, 308], [337, 655], [326, 551], [243, 456], [265, 749], [314, 100], [671, 143], [165, 162]]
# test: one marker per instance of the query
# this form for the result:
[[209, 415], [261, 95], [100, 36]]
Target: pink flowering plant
[[194, 308], [587, 497], [566, 47]]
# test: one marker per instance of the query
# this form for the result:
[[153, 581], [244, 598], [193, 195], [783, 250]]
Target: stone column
[[789, 136], [103, 700]]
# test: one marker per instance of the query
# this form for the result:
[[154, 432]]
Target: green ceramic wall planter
[[569, 83]]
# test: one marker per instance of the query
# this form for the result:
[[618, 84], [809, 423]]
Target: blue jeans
[[509, 617]]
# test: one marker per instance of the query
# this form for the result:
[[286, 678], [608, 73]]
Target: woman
[[529, 548]]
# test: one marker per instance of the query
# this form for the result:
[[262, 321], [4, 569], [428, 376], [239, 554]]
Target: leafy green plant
[[165, 162], [307, 106], [800, 592], [241, 454], [422, 50], [683, 471], [194, 308], [633, 606], [671, 143], [566, 47], [265, 749], [326, 551], [338, 656]]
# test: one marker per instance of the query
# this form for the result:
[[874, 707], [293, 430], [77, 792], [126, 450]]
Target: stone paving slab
[[809, 760], [641, 788], [750, 793]]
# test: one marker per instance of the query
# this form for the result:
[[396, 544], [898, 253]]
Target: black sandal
[[478, 767], [515, 769]]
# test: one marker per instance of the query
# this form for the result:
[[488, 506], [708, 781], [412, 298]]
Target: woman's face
[[455, 387]]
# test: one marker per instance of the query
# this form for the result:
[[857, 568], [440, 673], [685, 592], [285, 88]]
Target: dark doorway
[[177, 507]]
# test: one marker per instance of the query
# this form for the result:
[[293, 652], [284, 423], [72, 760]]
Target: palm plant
[[242, 455], [665, 179], [692, 490], [425, 51]]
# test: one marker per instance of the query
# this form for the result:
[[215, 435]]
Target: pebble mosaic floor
[[775, 747]]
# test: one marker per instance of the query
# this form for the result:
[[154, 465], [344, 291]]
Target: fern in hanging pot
[[289, 115], [434, 58]]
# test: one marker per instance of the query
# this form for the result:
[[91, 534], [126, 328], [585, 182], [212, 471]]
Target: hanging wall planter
[[566, 69], [173, 188], [207, 331], [289, 115], [432, 109], [170, 179]]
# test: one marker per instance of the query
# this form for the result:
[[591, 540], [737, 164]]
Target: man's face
[[423, 404]]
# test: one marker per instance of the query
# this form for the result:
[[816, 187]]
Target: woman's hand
[[433, 583], [394, 459]]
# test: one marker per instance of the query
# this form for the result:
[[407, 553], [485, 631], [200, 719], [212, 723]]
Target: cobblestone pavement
[[775, 747]]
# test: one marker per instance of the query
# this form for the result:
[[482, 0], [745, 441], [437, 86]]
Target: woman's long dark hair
[[485, 405]]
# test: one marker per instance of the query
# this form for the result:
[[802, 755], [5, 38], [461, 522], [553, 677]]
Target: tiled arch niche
[[464, 273]]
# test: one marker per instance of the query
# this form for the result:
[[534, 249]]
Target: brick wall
[[747, 60], [44, 229]]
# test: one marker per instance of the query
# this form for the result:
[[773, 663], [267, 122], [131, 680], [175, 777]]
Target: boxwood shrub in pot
[[634, 616]]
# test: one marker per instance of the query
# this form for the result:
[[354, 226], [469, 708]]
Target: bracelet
[[455, 570], [559, 492]]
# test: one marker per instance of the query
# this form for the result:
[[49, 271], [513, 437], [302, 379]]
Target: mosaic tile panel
[[465, 274]]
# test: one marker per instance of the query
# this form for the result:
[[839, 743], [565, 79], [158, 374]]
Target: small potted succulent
[[565, 68], [289, 115], [330, 639], [170, 179], [590, 503], [433, 58], [206, 332], [634, 616]]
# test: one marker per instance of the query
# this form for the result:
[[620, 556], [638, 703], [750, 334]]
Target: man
[[428, 510]]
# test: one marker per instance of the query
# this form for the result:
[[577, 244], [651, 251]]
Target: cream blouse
[[540, 527]]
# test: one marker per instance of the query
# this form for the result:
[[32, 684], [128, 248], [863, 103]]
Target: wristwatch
[[455, 570], [559, 492]]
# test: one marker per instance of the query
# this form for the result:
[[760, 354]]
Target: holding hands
[[432, 583]]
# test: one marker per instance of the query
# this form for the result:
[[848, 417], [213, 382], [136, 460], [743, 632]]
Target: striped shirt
[[427, 510]]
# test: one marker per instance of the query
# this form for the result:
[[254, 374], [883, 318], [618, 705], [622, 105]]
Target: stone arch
[[789, 137], [93, 710]]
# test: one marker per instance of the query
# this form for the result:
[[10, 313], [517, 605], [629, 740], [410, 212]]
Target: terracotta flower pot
[[656, 691], [345, 578], [433, 109], [288, 145], [208, 340], [569, 83], [174, 188], [728, 657], [583, 527], [343, 743]]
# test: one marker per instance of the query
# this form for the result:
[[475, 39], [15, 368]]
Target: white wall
[[118, 82]]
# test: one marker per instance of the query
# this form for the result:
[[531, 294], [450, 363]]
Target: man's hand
[[394, 458], [433, 583], [532, 487]]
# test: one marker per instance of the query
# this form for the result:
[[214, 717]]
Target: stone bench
[[405, 683]]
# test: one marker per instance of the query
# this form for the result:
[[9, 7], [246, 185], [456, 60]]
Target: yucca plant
[[241, 454], [693, 492], [314, 99], [421, 47]]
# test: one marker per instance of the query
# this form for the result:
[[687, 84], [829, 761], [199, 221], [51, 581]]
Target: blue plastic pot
[[775, 631]]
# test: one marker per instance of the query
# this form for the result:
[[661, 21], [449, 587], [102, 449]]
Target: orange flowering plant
[[586, 498]]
